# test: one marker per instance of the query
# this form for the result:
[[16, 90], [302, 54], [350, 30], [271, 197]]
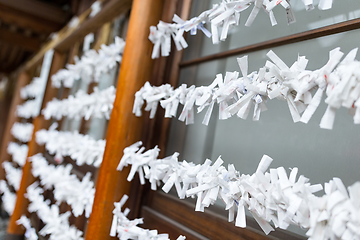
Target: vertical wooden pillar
[[22, 81], [124, 127], [15, 231]]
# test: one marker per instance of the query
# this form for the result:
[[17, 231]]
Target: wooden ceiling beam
[[109, 11], [14, 38], [67, 36], [9, 15], [37, 8]]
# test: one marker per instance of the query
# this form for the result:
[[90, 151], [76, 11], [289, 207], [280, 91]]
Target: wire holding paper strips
[[270, 196], [128, 229], [221, 17], [235, 95]]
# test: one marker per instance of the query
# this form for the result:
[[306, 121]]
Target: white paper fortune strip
[[22, 131], [98, 104], [128, 229], [221, 17], [91, 65], [81, 148], [67, 187], [8, 198], [30, 233], [268, 195], [235, 95], [56, 224], [13, 175], [18, 152]]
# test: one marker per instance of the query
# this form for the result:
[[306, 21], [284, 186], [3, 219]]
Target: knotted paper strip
[[8, 198], [128, 229], [22, 131], [19, 152], [13, 175], [30, 233]]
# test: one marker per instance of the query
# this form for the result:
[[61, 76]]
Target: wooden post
[[124, 127], [22, 81], [15, 231]]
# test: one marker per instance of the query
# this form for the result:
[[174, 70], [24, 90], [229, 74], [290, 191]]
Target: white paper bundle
[[29, 109], [221, 17], [13, 175], [235, 95], [91, 65], [128, 229], [8, 197], [98, 104], [32, 90], [22, 131], [81, 148], [19, 152], [270, 196], [56, 224], [67, 187], [30, 233]]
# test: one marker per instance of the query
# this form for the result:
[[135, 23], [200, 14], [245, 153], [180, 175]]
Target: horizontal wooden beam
[[112, 9], [37, 8], [303, 36], [14, 38], [36, 24]]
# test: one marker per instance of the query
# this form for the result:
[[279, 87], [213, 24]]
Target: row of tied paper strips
[[79, 195], [222, 17], [235, 95], [270, 196], [22, 132]]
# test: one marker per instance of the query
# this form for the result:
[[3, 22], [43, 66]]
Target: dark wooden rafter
[[67, 36], [14, 38], [41, 10], [27, 21], [109, 10]]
